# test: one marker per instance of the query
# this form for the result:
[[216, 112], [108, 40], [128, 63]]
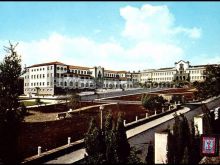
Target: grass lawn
[[30, 103]]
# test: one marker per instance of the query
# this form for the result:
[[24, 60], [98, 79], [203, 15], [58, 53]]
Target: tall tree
[[94, 144], [74, 100], [116, 148], [150, 154], [123, 147], [211, 86], [10, 114]]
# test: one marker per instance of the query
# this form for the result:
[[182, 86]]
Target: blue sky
[[116, 35]]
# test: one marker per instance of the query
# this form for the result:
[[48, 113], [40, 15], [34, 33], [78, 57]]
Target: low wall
[[140, 138]]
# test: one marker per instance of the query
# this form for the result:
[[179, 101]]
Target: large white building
[[51, 78], [181, 71]]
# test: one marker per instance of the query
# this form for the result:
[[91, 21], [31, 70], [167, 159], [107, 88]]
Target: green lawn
[[30, 103]]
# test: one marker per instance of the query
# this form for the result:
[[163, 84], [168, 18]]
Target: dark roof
[[79, 67], [45, 64], [166, 68]]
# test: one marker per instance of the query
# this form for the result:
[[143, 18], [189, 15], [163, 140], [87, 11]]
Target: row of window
[[196, 77], [160, 79], [33, 89], [162, 73], [80, 72], [39, 76], [61, 68], [196, 71], [38, 84]]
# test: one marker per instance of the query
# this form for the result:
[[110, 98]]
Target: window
[[58, 68], [40, 69], [58, 75], [51, 67], [71, 83], [43, 83], [61, 83], [61, 68], [84, 72], [40, 83], [40, 75], [48, 75], [37, 69], [43, 76], [48, 83], [34, 76], [81, 72]]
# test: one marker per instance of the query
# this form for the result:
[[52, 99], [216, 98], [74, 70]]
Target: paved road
[[136, 138], [141, 140], [120, 93]]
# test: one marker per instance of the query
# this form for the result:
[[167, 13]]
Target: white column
[[161, 140], [146, 115], [155, 112], [136, 118], [39, 150], [124, 122], [69, 139]]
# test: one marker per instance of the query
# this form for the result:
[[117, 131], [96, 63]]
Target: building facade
[[50, 78], [182, 71]]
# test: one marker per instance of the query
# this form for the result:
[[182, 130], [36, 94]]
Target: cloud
[[153, 23], [151, 30]]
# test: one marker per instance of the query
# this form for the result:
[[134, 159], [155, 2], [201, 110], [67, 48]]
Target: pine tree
[[11, 115], [110, 140], [150, 154], [94, 144], [170, 147], [176, 138], [123, 147], [109, 145], [185, 159]]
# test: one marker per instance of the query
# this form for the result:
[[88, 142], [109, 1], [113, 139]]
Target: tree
[[74, 100], [150, 154], [123, 147], [211, 86], [10, 114], [94, 144], [115, 147], [185, 159], [152, 102]]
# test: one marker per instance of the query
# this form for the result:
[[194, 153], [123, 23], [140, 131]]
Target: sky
[[121, 35]]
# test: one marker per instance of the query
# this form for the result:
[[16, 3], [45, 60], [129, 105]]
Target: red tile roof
[[45, 64], [79, 67]]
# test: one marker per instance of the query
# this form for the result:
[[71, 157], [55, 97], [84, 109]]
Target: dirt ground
[[52, 134], [40, 128], [188, 94]]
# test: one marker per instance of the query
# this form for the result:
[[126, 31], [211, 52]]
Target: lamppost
[[101, 108]]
